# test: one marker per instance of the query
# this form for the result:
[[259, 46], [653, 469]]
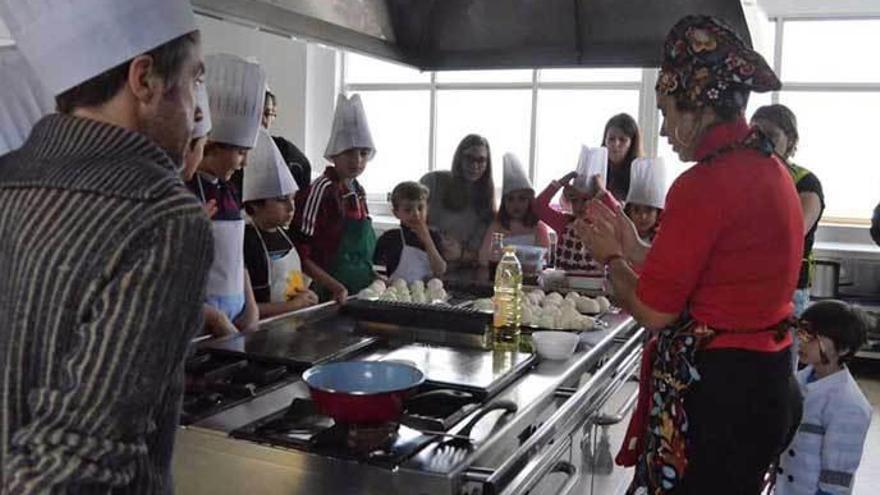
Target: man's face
[[168, 116]]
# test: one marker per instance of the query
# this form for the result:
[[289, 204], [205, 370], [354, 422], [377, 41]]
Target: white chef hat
[[350, 128], [266, 174], [69, 42], [647, 183], [236, 89], [203, 125], [23, 100], [515, 178], [592, 161]]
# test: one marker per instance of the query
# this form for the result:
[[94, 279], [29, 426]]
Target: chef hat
[[68, 42], [203, 113], [350, 128], [593, 161], [647, 184], [23, 100], [266, 174], [236, 89], [515, 178]]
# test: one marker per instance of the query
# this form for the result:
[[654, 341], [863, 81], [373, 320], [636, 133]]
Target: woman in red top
[[718, 400]]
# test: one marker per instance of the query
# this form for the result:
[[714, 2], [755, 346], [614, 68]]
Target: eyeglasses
[[479, 160], [806, 335]]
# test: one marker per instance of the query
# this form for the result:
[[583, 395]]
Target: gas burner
[[300, 426], [215, 382], [371, 439]]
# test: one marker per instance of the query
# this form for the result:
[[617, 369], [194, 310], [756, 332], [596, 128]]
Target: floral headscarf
[[707, 64]]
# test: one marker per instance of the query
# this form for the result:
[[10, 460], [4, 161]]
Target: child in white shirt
[[827, 448]]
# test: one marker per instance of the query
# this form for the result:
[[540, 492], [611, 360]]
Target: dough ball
[[435, 284], [587, 305]]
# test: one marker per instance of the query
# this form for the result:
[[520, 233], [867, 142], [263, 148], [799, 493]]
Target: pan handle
[[507, 405]]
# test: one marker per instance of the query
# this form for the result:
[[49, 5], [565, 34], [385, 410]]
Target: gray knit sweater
[[103, 260]]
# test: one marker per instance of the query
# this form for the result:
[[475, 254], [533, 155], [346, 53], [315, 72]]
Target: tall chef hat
[[236, 89], [68, 42], [592, 161], [23, 100], [350, 128], [203, 113], [267, 174], [515, 178], [647, 185]]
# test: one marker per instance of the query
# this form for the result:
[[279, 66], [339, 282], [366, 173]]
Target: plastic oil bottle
[[508, 302]]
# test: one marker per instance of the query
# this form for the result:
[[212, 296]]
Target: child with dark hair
[[827, 449], [516, 218], [410, 252]]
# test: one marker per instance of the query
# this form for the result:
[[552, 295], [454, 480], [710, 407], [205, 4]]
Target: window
[[501, 116], [829, 81], [831, 51], [401, 146], [832, 84], [568, 119]]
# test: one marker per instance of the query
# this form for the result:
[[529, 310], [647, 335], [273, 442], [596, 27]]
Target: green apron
[[353, 265]]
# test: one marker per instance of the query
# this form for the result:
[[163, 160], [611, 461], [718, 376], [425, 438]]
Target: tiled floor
[[868, 475]]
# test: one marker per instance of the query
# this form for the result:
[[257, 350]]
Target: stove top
[[302, 427], [216, 382]]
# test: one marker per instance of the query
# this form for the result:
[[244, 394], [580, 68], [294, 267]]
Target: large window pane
[[479, 76], [501, 116], [831, 51], [836, 131], [360, 69], [399, 125], [591, 75], [567, 119]]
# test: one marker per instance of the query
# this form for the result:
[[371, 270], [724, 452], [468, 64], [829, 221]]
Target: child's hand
[[304, 299], [451, 249], [567, 178], [211, 208], [340, 293]]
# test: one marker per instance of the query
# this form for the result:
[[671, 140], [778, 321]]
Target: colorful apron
[[353, 265], [413, 265], [659, 426], [286, 278], [225, 288]]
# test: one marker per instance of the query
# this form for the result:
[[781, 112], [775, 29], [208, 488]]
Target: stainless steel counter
[[557, 402]]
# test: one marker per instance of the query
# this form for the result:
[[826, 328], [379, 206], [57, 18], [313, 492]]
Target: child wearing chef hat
[[516, 219], [270, 257], [235, 90], [338, 240], [647, 195], [578, 188]]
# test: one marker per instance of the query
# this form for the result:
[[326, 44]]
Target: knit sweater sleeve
[[89, 424], [555, 219]]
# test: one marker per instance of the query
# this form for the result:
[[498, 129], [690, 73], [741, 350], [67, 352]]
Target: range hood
[[483, 34]]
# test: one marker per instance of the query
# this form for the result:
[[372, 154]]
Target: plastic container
[[555, 345], [531, 258]]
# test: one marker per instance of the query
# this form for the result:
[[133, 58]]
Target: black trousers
[[743, 412]]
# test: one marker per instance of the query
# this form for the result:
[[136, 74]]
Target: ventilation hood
[[482, 34]]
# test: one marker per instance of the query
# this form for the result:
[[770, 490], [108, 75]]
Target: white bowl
[[555, 345]]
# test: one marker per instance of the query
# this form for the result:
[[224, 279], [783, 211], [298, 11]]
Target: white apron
[[282, 269], [414, 264], [225, 290], [521, 240]]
